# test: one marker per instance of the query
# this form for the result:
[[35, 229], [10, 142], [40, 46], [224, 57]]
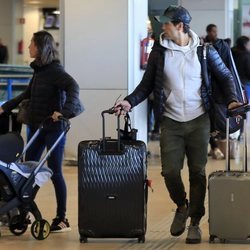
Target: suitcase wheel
[[141, 239], [83, 239], [212, 238], [223, 241]]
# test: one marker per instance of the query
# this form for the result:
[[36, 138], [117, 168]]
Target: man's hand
[[122, 107], [55, 116], [233, 105]]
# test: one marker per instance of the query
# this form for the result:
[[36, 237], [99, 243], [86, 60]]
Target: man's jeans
[[191, 139]]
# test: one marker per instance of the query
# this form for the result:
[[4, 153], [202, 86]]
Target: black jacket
[[50, 89], [224, 51], [242, 62], [3, 54], [153, 78]]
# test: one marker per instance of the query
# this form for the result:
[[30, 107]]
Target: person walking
[[52, 93], [174, 74]]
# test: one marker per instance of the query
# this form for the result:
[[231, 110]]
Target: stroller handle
[[41, 127], [62, 118]]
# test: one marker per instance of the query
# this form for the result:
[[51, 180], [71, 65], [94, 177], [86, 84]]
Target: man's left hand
[[233, 105]]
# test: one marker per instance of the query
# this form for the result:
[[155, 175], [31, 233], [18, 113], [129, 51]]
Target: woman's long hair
[[46, 46]]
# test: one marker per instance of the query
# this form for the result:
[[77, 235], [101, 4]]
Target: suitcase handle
[[238, 111], [104, 139], [241, 110]]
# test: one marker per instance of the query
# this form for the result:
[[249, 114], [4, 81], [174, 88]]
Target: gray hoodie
[[182, 80]]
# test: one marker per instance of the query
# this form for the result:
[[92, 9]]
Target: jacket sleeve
[[146, 85], [222, 74], [13, 103], [72, 105]]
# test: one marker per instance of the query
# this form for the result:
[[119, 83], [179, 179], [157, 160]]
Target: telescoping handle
[[104, 140], [239, 111]]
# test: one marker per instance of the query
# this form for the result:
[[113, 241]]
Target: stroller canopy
[[11, 146], [26, 168]]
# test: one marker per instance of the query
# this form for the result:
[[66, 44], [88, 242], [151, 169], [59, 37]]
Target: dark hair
[[210, 27], [46, 47], [241, 42], [186, 26]]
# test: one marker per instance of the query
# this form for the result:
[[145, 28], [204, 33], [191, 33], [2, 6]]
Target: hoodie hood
[[169, 44]]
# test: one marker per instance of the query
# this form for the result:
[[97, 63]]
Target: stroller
[[20, 182]]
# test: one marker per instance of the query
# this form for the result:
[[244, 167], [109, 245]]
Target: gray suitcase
[[229, 197]]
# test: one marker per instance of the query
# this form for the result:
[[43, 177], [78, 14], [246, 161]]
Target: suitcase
[[8, 123], [112, 188], [229, 196]]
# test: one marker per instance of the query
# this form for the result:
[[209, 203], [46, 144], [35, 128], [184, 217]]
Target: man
[[223, 48], [219, 44], [3, 53], [174, 75], [212, 33]]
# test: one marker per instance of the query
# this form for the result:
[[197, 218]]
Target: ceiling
[[42, 3]]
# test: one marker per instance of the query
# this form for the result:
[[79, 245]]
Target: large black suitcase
[[112, 188]]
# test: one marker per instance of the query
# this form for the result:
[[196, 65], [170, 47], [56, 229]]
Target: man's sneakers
[[179, 223], [194, 234], [59, 226]]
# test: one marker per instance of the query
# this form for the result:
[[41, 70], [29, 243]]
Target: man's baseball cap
[[174, 13]]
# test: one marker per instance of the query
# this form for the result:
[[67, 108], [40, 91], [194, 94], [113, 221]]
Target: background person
[[3, 53]]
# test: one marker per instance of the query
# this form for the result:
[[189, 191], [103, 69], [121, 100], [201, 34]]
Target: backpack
[[218, 111]]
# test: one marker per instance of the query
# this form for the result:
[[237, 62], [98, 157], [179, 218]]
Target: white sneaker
[[217, 154]]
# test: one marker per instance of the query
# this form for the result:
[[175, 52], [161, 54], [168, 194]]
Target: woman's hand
[[122, 107], [55, 116]]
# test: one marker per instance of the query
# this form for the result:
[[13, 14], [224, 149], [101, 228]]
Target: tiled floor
[[160, 214]]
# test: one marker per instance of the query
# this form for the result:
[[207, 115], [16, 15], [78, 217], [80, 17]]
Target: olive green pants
[[190, 139]]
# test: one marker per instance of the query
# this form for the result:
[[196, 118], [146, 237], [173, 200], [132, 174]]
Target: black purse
[[128, 133], [23, 115]]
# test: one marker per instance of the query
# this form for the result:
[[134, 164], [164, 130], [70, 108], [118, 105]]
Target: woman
[[52, 92]]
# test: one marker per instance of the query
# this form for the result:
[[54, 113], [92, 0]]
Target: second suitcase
[[229, 199]]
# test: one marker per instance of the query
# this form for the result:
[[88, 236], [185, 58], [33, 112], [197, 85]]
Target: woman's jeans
[[34, 153], [190, 139]]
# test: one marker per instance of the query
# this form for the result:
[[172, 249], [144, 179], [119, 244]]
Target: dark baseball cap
[[174, 13]]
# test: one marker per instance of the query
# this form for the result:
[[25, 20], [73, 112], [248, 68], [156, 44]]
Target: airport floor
[[160, 215]]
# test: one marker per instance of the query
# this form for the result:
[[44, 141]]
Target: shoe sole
[[63, 230], [193, 241], [179, 233]]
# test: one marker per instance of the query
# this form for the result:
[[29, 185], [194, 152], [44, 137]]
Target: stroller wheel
[[17, 226], [40, 229]]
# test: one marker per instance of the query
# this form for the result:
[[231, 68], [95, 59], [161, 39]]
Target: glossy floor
[[160, 214]]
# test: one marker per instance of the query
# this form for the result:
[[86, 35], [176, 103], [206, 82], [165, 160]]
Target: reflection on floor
[[160, 214]]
